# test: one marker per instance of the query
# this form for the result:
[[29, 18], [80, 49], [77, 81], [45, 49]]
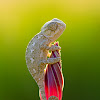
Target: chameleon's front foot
[[51, 48]]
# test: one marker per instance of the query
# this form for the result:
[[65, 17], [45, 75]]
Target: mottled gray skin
[[38, 49]]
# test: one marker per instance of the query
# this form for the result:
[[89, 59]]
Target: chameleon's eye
[[52, 26]]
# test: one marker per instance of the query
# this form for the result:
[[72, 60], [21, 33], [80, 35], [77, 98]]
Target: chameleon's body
[[38, 49]]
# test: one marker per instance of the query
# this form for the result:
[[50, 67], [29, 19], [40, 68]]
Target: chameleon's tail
[[42, 93], [53, 79]]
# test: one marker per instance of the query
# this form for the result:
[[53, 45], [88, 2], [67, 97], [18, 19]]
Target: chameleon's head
[[53, 29]]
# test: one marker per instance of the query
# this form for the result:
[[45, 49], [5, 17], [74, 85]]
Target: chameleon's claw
[[50, 61]]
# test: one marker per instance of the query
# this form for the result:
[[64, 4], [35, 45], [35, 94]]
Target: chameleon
[[37, 51]]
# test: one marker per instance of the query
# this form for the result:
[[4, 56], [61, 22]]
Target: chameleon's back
[[32, 55]]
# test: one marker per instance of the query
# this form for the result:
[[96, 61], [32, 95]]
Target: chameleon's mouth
[[54, 78]]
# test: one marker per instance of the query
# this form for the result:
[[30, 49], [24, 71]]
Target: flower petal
[[54, 77]]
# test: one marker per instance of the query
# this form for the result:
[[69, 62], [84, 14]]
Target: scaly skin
[[38, 49]]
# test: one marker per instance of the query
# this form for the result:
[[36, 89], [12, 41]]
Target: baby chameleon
[[38, 50]]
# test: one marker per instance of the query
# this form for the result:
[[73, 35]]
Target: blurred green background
[[20, 20]]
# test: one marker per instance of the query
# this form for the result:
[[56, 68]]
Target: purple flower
[[53, 78]]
